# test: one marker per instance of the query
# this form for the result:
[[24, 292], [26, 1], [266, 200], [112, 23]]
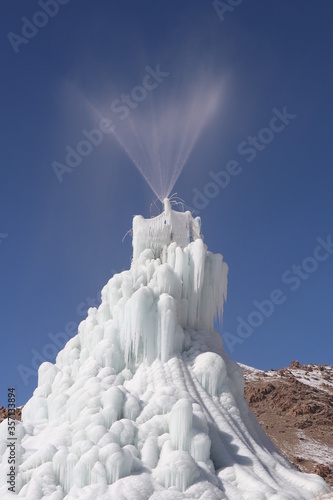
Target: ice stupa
[[143, 403]]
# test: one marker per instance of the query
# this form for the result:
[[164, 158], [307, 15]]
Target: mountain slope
[[295, 408]]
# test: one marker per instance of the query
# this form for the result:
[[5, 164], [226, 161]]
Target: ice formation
[[143, 403]]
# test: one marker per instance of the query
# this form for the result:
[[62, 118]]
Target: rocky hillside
[[4, 413], [295, 408]]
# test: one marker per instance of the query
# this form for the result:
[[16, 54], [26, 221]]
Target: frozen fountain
[[144, 402]]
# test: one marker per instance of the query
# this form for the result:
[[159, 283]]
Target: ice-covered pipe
[[167, 206]]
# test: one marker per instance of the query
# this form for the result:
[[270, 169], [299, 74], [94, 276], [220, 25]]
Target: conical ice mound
[[143, 403]]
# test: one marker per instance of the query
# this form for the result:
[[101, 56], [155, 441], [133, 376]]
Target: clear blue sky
[[61, 242]]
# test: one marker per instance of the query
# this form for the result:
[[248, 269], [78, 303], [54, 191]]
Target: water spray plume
[[160, 134]]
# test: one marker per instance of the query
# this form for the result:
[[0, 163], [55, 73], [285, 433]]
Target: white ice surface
[[143, 403]]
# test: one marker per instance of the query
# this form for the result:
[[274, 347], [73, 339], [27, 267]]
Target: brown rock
[[297, 416], [322, 470]]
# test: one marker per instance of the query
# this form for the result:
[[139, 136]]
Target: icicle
[[200, 447], [63, 465], [47, 373], [107, 354], [236, 376], [67, 472], [168, 282], [135, 318], [198, 253], [186, 273], [34, 489], [172, 254], [180, 424], [98, 474], [131, 408], [118, 465], [56, 404], [176, 469], [113, 397], [150, 451], [82, 470], [211, 371], [35, 409], [167, 315]]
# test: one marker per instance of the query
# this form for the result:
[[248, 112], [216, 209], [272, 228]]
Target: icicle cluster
[[183, 288], [174, 283]]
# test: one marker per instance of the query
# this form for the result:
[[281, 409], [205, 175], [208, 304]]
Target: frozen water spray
[[160, 133]]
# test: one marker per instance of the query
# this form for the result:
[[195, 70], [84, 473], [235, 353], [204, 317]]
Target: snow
[[310, 449], [315, 378], [143, 403], [309, 375]]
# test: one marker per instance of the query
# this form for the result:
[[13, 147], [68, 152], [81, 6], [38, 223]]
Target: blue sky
[[61, 242]]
